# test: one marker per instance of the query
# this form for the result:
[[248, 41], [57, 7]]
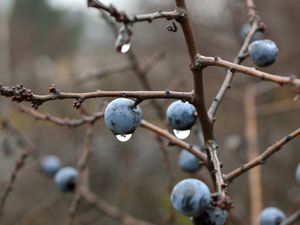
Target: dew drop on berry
[[181, 134], [123, 137], [125, 48]]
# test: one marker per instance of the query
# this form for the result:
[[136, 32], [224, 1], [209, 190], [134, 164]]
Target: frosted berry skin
[[298, 173], [121, 117], [212, 216], [188, 162], [50, 165], [181, 115], [271, 216], [190, 197], [263, 52], [245, 29], [65, 179]]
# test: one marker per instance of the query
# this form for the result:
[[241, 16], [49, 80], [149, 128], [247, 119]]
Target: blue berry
[[121, 117], [65, 179], [181, 115], [263, 52], [271, 216], [188, 162], [190, 197], [298, 173], [212, 216], [245, 29], [50, 165]]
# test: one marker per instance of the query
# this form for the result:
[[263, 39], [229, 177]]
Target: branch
[[292, 219], [122, 17], [174, 140], [261, 159], [254, 176], [110, 210], [71, 123], [202, 61], [19, 94], [199, 101], [230, 73], [91, 119], [83, 178], [122, 68], [8, 187]]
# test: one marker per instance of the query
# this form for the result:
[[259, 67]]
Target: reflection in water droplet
[[123, 137], [182, 134], [125, 48]]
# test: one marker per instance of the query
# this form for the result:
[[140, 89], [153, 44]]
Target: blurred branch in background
[[251, 133], [20, 163]]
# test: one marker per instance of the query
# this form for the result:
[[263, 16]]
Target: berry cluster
[[64, 177]]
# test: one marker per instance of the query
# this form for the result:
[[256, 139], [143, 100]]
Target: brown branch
[[9, 186], [292, 219], [230, 74], [83, 179], [122, 17], [199, 101], [171, 216], [252, 13], [110, 210], [214, 167], [21, 94], [261, 159], [254, 176], [174, 140], [202, 61], [115, 69], [71, 123]]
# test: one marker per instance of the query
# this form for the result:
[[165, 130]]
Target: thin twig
[[230, 74], [292, 219], [122, 17], [170, 217], [82, 163], [261, 159], [175, 141], [9, 185], [110, 210], [202, 61], [21, 94]]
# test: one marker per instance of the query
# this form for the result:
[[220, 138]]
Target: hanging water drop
[[125, 48], [123, 137], [182, 134]]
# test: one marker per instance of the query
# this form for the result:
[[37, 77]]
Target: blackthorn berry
[[50, 165], [65, 179], [122, 117], [212, 216], [188, 162], [271, 216], [263, 52], [181, 115], [190, 197], [298, 173], [245, 29]]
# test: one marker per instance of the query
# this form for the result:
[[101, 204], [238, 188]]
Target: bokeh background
[[54, 41]]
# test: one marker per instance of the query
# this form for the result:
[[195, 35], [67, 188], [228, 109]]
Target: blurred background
[[64, 42]]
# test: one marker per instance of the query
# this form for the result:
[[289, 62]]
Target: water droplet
[[125, 48], [182, 134], [123, 137]]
